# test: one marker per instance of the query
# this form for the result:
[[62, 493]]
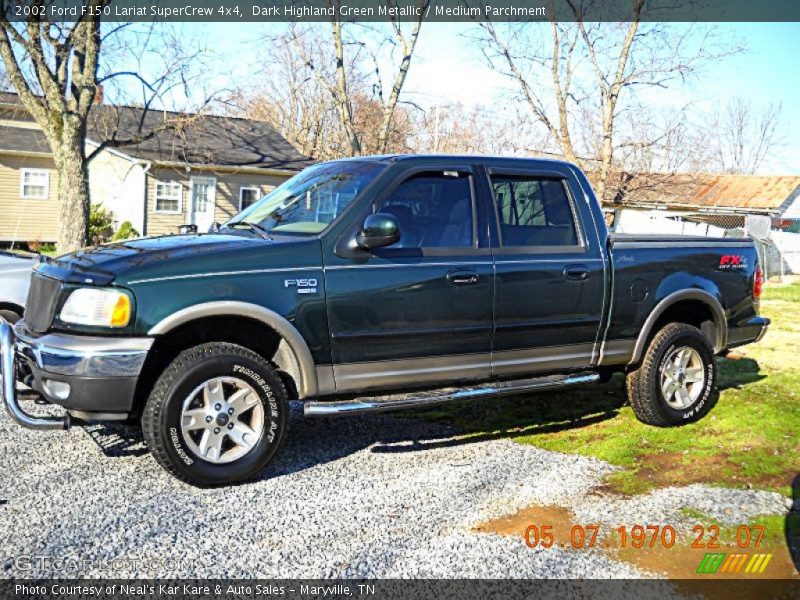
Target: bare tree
[[323, 89], [338, 87], [58, 70], [744, 136], [4, 82], [504, 51], [456, 129], [662, 156], [59, 94], [406, 42], [592, 69], [293, 95]]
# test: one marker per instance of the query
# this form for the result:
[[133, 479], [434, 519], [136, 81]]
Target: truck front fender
[[308, 384]]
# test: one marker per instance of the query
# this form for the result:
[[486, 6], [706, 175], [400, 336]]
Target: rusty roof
[[760, 193], [744, 191]]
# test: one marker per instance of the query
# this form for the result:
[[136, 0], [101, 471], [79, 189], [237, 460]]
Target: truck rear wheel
[[217, 415], [674, 384]]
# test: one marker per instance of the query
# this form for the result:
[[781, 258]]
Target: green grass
[[774, 532], [749, 439]]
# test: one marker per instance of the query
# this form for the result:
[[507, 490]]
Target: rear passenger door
[[549, 279]]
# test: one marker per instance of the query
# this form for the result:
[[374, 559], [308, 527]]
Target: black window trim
[[579, 248]]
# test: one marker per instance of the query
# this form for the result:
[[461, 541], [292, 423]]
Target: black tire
[[161, 418], [10, 316], [643, 385]]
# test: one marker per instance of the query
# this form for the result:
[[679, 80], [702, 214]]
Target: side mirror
[[379, 230]]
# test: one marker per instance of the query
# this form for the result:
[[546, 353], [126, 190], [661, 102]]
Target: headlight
[[97, 307]]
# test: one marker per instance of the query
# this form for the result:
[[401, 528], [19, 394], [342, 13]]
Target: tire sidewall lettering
[[176, 438]]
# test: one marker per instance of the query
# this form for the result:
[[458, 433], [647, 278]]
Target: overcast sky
[[447, 69]]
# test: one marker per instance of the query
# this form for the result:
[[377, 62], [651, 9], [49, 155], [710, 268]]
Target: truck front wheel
[[217, 415], [674, 384]]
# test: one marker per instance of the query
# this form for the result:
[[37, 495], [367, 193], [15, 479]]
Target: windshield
[[311, 200]]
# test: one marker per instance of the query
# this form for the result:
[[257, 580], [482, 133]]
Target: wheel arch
[[12, 307], [672, 304], [294, 342]]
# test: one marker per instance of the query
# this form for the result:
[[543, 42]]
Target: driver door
[[419, 310]]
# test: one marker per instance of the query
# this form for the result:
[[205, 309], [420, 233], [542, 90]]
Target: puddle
[[559, 518]]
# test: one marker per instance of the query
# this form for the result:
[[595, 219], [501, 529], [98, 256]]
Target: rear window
[[534, 211]]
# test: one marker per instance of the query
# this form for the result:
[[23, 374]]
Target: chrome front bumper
[[65, 359], [83, 355], [8, 373]]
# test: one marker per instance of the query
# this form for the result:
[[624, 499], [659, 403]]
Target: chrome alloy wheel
[[222, 420], [683, 377]]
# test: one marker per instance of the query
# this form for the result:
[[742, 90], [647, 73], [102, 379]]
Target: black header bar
[[245, 11]]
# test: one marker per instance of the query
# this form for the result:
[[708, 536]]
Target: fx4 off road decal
[[731, 262]]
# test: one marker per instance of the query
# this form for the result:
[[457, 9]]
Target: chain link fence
[[777, 241]]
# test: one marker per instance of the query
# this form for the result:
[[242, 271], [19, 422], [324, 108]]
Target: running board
[[319, 408]]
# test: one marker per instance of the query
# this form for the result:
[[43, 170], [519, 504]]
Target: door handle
[[576, 272], [462, 278]]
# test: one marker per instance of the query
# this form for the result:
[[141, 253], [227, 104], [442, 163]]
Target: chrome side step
[[442, 395]]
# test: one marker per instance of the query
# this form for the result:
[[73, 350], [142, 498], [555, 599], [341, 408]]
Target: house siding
[[226, 195], [118, 184], [24, 219], [791, 208]]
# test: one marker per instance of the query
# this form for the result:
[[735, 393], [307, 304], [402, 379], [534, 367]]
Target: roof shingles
[[195, 139]]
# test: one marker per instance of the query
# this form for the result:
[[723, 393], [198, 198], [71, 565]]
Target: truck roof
[[457, 158]]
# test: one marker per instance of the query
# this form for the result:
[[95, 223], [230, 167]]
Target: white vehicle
[[15, 279]]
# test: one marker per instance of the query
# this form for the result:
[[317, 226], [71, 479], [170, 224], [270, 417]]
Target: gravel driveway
[[369, 496]]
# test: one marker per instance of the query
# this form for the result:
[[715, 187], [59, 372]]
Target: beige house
[[197, 169]]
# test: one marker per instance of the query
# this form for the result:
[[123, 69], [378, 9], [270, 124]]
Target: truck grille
[[41, 305]]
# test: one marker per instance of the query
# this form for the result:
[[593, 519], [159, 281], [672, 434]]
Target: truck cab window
[[433, 210], [534, 211]]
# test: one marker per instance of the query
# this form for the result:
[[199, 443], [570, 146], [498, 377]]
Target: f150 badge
[[303, 286], [729, 262]]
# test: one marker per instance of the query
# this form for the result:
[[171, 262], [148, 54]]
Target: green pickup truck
[[370, 284]]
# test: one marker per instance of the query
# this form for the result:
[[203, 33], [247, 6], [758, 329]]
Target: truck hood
[[164, 256]]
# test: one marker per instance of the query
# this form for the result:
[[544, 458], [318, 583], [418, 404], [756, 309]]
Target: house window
[[34, 184], [248, 196], [169, 198]]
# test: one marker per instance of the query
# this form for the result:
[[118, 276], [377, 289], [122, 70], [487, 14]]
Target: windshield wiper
[[262, 231]]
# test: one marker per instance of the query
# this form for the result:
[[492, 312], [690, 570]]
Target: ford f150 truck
[[372, 284]]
